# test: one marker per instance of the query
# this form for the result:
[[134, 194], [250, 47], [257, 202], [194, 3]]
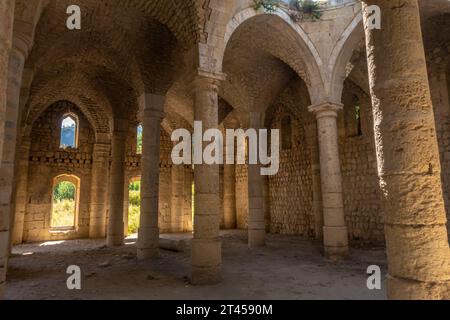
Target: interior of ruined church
[[87, 177]]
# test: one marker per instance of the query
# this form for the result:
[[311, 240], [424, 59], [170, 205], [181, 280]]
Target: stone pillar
[[177, 199], [99, 190], [6, 32], [16, 65], [256, 219], [408, 159], [441, 107], [335, 235], [22, 164], [229, 196], [115, 236], [6, 167], [148, 235], [206, 247], [311, 140], [21, 191]]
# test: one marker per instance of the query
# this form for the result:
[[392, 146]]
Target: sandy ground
[[288, 268]]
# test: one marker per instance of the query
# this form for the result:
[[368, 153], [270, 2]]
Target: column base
[[115, 236], [206, 276], [335, 242], [17, 235], [407, 289], [16, 241], [115, 241], [336, 253], [206, 261], [257, 238], [97, 234], [148, 243], [148, 253], [3, 269]]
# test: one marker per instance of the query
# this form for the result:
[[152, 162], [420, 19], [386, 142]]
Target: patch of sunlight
[[63, 215], [51, 243]]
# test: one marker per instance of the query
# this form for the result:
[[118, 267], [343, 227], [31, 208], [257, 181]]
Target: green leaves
[[269, 6], [300, 10], [306, 10], [64, 191]]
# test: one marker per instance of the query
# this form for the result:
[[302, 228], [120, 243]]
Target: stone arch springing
[[342, 52]]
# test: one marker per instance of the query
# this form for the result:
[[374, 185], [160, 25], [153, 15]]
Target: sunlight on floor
[[51, 243]]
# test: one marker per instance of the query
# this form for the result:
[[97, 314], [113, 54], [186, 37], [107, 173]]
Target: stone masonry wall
[[291, 209], [290, 191], [362, 194], [48, 161]]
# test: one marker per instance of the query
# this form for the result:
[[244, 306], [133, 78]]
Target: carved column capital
[[326, 109], [206, 81]]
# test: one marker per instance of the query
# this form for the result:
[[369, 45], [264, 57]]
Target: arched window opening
[[69, 132], [139, 139], [64, 202], [286, 133], [357, 116], [134, 205]]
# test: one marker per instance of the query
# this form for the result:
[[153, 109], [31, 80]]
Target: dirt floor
[[288, 268]]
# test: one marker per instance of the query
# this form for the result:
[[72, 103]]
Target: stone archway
[[349, 41], [297, 51]]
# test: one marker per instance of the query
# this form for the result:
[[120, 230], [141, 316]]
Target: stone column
[[408, 160], [6, 167], [177, 199], [21, 163], [115, 236], [441, 107], [16, 65], [335, 235], [6, 32], [206, 247], [256, 219], [99, 190], [21, 191], [229, 196], [148, 235], [311, 140]]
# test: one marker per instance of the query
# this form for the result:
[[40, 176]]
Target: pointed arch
[[306, 55], [342, 53]]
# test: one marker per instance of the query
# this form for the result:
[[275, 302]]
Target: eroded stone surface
[[243, 62]]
